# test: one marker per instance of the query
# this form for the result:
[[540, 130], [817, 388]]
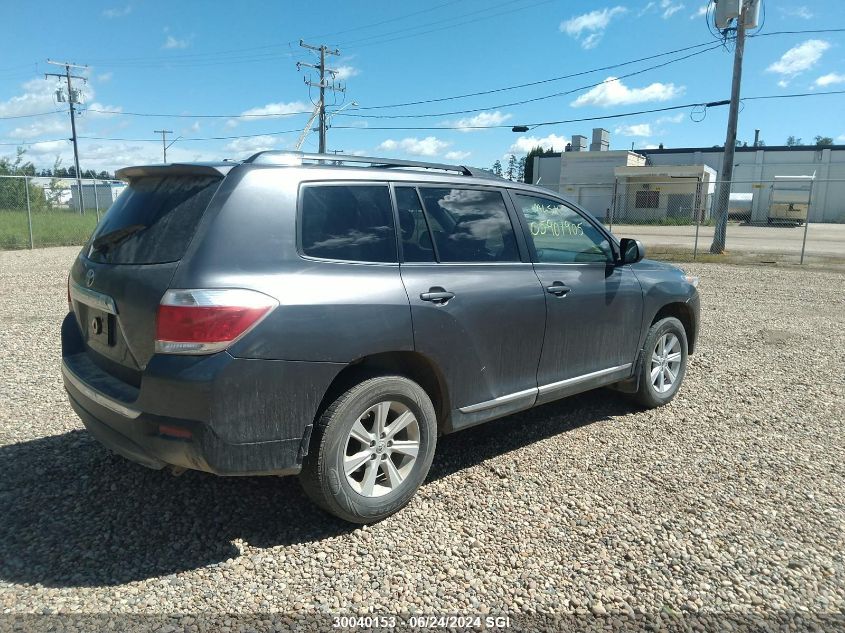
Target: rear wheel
[[664, 363], [371, 450]]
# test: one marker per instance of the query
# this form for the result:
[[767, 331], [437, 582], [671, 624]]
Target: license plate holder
[[100, 327]]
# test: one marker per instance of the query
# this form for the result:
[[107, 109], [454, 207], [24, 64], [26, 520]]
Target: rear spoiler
[[176, 169]]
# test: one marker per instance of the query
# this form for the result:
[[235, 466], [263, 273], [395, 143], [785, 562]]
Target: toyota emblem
[[89, 278]]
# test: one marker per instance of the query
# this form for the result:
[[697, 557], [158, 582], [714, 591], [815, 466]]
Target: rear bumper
[[232, 416]]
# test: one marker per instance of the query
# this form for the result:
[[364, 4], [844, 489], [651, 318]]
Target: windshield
[[153, 220]]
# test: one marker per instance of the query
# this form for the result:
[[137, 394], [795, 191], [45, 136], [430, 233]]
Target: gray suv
[[331, 316]]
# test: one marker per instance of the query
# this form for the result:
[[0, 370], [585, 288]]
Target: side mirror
[[632, 250]]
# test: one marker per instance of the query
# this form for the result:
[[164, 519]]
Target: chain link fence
[[769, 221], [796, 219], [37, 211]]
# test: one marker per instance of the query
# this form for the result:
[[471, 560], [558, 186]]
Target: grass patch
[[49, 228]]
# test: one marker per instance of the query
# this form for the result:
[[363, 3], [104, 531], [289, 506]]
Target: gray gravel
[[726, 507]]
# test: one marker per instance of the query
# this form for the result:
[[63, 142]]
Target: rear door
[[593, 307], [119, 278], [478, 310]]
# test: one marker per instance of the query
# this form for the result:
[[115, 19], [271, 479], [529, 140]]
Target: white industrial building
[[601, 179]]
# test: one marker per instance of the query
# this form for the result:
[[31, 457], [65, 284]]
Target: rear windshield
[[153, 220]]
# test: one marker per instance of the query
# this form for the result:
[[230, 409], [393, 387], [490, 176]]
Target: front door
[[593, 307], [478, 310]]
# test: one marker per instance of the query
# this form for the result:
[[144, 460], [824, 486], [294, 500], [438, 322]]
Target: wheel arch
[[683, 312], [411, 365]]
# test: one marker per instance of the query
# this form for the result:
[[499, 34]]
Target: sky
[[224, 70]]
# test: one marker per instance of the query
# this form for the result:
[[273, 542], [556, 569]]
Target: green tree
[[497, 168], [520, 170], [510, 172], [793, 141], [823, 140], [13, 191]]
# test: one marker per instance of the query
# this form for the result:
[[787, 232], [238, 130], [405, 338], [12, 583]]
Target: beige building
[[663, 192]]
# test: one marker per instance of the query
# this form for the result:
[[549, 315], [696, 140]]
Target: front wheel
[[664, 363], [372, 448]]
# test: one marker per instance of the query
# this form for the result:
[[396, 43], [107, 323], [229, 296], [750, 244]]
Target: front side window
[[348, 222], [560, 234], [469, 225]]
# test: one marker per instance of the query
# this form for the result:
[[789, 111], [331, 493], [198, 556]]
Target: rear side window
[[153, 220], [348, 222], [416, 239], [469, 225]]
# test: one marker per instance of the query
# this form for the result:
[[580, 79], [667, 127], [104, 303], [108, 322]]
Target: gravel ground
[[723, 508]]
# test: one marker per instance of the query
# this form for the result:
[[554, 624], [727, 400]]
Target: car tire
[[361, 465], [659, 363]]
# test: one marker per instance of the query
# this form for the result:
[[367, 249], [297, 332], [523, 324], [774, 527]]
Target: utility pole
[[72, 99], [723, 198], [322, 85], [164, 145]]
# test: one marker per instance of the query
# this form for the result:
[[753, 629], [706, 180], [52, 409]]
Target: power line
[[534, 99], [441, 127], [592, 118]]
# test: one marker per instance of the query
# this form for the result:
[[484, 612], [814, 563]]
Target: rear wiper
[[111, 238]]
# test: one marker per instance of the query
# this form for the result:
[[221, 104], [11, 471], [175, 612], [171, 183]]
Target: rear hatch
[[119, 278]]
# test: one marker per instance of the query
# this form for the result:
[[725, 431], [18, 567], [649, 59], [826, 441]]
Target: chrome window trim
[[92, 298], [561, 384], [96, 396]]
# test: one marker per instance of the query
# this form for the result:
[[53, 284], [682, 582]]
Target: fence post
[[807, 221], [28, 211], [698, 213], [613, 203], [96, 201]]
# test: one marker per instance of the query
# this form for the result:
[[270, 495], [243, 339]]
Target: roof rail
[[279, 157]]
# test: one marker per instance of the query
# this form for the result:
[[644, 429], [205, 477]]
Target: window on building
[[647, 199], [348, 222]]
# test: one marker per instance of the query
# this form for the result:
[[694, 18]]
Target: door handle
[[558, 288], [437, 295]]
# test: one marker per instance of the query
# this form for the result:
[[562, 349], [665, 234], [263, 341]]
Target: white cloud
[[700, 12], [428, 146], [38, 96], [105, 77], [798, 12], [613, 92], [99, 111], [841, 138], [799, 58], [593, 23], [525, 144], [670, 8], [252, 144], [829, 80], [675, 118], [195, 126], [173, 42], [271, 111], [482, 119], [345, 72], [638, 129], [49, 125], [783, 83], [457, 155], [117, 12]]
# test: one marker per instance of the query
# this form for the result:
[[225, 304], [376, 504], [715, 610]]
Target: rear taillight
[[206, 321]]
